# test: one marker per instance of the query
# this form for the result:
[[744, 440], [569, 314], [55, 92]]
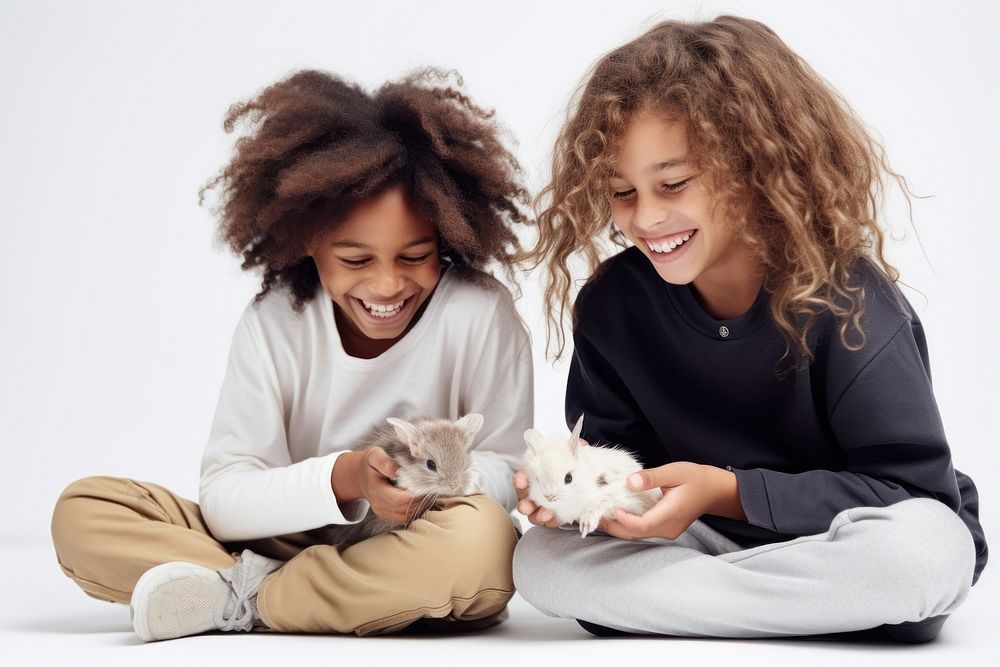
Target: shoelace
[[241, 617]]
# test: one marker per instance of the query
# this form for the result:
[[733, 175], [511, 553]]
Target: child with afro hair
[[371, 217]]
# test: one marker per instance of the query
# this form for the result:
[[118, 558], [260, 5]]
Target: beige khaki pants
[[453, 564]]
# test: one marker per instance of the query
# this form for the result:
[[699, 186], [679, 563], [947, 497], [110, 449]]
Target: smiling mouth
[[668, 244], [383, 312]]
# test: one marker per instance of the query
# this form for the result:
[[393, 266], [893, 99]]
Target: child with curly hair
[[751, 347], [371, 217]]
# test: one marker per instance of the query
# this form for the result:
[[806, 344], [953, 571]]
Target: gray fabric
[[874, 566]]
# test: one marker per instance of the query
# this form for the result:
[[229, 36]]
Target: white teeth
[[383, 310], [667, 246]]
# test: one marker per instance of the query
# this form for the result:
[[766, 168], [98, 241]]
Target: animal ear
[[533, 439], [407, 433], [574, 438], [471, 423]]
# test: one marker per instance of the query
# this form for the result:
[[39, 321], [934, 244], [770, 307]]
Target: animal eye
[[431, 465], [568, 478]]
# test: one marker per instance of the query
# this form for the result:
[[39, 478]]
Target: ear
[[533, 439], [471, 423], [574, 438], [407, 433]]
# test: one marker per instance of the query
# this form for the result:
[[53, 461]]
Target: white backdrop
[[116, 309]]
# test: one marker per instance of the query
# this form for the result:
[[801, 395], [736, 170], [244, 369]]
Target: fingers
[[403, 513], [394, 496], [382, 462], [526, 507], [538, 516], [520, 482], [615, 529], [645, 479], [392, 503], [661, 520], [415, 508], [543, 517], [653, 478], [630, 524]]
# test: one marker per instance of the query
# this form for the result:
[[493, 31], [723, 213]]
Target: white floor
[[46, 620]]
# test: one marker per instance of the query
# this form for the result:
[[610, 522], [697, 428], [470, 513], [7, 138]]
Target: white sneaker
[[180, 599]]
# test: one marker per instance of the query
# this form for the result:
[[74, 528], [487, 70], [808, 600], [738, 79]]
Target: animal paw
[[589, 522]]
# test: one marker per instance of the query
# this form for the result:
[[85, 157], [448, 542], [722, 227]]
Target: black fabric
[[654, 373], [917, 632], [600, 630]]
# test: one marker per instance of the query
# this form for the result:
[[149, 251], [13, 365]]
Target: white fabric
[[292, 401]]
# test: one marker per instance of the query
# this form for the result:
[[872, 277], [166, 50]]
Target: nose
[[387, 282], [649, 214], [550, 497]]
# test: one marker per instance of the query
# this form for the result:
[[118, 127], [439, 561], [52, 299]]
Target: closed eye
[[678, 186], [406, 259], [625, 195]]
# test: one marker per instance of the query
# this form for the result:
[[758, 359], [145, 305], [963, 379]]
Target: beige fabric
[[452, 564]]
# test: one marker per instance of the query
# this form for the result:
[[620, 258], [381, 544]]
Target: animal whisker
[[426, 503], [414, 515]]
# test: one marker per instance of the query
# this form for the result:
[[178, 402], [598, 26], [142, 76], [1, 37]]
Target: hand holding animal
[[433, 459], [581, 483]]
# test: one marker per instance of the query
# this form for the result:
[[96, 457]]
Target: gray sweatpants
[[906, 562]]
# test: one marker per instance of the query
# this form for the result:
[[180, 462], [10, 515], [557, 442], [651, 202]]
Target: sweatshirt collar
[[683, 299]]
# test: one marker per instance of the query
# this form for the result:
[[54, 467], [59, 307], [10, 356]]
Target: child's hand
[[536, 515], [386, 500], [689, 490], [367, 474]]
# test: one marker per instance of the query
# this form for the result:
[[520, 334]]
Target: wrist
[[345, 478], [725, 495]]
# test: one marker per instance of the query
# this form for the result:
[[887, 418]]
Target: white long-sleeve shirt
[[293, 400]]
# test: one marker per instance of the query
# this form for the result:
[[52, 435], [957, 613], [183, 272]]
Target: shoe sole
[[147, 584]]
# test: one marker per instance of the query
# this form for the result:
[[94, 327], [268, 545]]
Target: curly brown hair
[[781, 151], [316, 146]]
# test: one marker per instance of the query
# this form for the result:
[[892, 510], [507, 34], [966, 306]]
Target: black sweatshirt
[[654, 373]]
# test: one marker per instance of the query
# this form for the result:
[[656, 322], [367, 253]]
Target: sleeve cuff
[[753, 497], [353, 511]]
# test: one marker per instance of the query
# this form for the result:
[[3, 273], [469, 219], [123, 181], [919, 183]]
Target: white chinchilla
[[577, 482]]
